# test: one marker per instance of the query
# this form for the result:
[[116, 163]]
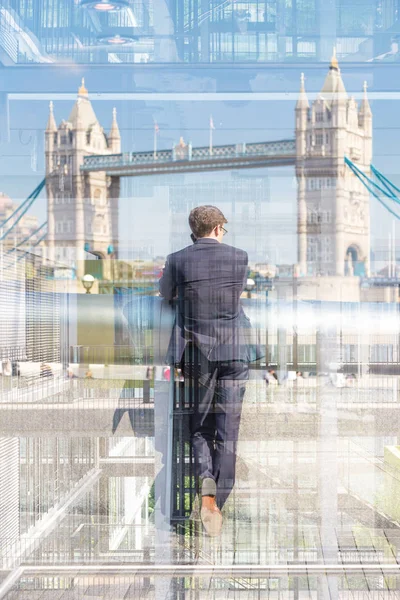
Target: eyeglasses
[[224, 230]]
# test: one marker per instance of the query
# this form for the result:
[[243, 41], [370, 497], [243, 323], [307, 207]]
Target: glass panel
[[199, 299]]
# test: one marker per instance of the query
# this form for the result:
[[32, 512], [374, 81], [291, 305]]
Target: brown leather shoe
[[212, 520]]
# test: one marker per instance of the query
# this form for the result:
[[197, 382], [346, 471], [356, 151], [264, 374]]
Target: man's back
[[208, 278]]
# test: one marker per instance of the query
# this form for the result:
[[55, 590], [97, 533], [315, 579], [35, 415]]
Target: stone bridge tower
[[333, 206], [82, 208]]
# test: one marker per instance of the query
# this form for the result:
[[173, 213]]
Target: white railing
[[56, 390]]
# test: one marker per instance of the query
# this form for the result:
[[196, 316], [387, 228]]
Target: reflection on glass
[[186, 104]]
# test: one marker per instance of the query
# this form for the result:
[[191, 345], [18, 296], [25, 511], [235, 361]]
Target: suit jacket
[[207, 279]]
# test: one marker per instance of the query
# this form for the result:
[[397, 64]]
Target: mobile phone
[[193, 238]]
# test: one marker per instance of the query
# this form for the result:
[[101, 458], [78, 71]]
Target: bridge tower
[[333, 224], [82, 208]]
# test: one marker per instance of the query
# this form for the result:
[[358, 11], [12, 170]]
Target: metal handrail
[[222, 570]]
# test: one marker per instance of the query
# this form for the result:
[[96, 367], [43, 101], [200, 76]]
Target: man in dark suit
[[211, 344]]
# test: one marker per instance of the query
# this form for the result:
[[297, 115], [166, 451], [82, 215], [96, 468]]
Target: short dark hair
[[203, 219]]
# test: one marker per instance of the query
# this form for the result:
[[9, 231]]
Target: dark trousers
[[217, 390]]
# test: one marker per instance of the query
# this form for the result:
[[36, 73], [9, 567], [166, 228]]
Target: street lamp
[[250, 284], [88, 281]]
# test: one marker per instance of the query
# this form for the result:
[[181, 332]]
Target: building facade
[[208, 31], [333, 205], [82, 209]]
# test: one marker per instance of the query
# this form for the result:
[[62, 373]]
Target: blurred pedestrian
[[179, 375], [45, 370], [167, 373], [147, 383], [271, 377], [7, 368]]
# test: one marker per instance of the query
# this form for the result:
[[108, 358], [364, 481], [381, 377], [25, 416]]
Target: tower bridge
[[84, 166], [185, 159]]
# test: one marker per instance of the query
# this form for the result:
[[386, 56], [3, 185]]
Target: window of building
[[381, 353], [326, 249], [312, 249], [272, 353], [349, 353], [320, 183], [62, 198], [64, 226], [319, 139], [306, 353]]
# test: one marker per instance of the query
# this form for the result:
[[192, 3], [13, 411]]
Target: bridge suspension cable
[[28, 237], [41, 185], [25, 205], [385, 181], [33, 246], [374, 187]]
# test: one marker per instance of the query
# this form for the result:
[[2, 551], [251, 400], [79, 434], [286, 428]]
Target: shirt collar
[[206, 241]]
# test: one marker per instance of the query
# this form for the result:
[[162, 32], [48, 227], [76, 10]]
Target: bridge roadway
[[185, 159]]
